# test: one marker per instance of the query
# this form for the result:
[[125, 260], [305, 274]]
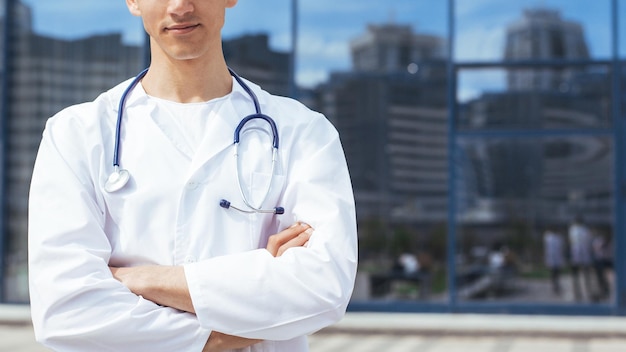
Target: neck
[[188, 81]]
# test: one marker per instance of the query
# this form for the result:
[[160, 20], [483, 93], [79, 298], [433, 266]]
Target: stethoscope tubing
[[120, 177], [120, 115]]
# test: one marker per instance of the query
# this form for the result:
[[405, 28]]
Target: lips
[[182, 28]]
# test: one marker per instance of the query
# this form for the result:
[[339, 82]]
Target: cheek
[[150, 27]]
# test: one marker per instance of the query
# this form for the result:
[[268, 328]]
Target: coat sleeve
[[76, 304], [255, 295]]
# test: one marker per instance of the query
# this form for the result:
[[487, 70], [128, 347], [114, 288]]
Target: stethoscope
[[120, 177]]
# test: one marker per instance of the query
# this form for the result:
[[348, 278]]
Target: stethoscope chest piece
[[117, 180]]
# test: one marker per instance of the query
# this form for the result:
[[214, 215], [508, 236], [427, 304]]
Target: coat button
[[190, 259]]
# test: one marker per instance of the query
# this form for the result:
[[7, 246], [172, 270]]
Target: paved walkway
[[373, 332], [388, 332], [410, 343]]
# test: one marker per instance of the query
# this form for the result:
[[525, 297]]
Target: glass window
[[3, 68], [534, 97], [68, 19], [258, 41], [621, 20], [495, 30], [517, 201], [377, 70], [337, 36], [61, 53], [622, 77]]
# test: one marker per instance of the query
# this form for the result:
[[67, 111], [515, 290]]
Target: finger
[[277, 240], [298, 241]]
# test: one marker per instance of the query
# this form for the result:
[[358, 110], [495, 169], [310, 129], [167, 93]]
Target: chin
[[184, 56]]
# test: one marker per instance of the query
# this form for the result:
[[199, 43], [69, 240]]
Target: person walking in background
[[602, 263], [144, 251], [580, 258], [554, 257]]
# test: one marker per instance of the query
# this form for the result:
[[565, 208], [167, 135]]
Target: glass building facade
[[485, 139]]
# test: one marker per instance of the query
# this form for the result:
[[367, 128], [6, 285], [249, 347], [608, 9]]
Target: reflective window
[[61, 53], [377, 70], [621, 20], [622, 77], [352, 31], [3, 68], [517, 204], [3, 25], [534, 97], [530, 30], [258, 41]]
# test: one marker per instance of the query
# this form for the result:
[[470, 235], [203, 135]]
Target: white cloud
[[317, 48], [309, 78]]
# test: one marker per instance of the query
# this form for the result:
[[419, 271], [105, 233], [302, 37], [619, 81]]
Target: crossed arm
[[167, 286]]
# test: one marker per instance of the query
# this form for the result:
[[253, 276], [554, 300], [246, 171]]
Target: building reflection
[[45, 75], [48, 74], [524, 161], [391, 111], [514, 187]]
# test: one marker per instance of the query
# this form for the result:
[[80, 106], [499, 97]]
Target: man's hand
[[296, 236], [167, 285]]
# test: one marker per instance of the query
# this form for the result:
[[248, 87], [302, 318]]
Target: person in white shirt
[[554, 257], [579, 237], [160, 263]]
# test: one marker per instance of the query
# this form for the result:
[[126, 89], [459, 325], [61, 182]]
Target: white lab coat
[[169, 214]]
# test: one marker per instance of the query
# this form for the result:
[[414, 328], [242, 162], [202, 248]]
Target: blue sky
[[327, 26]]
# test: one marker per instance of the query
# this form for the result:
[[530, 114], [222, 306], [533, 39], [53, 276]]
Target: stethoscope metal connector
[[278, 210]]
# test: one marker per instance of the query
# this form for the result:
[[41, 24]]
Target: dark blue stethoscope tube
[[118, 179], [120, 115]]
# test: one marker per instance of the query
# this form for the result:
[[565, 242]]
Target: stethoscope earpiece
[[117, 180]]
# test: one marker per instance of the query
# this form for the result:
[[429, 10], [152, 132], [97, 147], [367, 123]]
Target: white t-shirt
[[188, 119]]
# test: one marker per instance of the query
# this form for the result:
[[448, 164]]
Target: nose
[[180, 7]]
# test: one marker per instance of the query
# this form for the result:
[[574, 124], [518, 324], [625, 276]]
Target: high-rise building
[[391, 114], [542, 34], [251, 57], [393, 48], [45, 75]]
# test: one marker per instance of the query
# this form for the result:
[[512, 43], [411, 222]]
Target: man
[[158, 265], [554, 256], [579, 237]]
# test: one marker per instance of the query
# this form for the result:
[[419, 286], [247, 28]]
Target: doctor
[[158, 264]]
